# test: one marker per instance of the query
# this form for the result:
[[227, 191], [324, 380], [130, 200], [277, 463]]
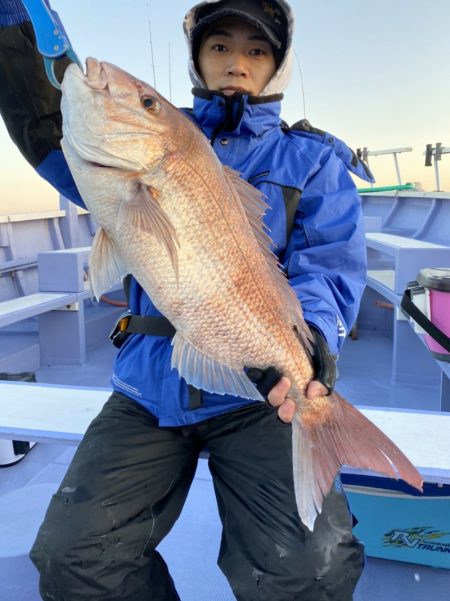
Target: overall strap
[[291, 197]]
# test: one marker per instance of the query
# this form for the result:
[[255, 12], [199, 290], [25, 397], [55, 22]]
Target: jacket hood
[[281, 76]]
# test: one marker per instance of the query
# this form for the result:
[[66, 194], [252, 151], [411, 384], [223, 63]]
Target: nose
[[237, 65]]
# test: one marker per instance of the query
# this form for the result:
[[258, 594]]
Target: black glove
[[264, 379], [323, 362]]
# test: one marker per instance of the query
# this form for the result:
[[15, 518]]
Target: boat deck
[[192, 546], [386, 366]]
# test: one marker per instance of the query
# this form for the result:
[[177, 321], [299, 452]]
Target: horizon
[[373, 75]]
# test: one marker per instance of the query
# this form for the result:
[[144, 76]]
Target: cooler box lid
[[436, 278]]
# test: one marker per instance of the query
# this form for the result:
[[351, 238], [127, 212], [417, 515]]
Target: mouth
[[99, 165], [230, 90], [95, 74]]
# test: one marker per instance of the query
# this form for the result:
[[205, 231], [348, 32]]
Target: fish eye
[[151, 104], [148, 102]]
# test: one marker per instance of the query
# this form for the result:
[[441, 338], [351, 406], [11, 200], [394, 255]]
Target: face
[[235, 57]]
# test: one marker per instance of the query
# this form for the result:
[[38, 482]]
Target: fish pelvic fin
[[106, 266], [347, 438], [254, 206], [205, 373], [143, 212]]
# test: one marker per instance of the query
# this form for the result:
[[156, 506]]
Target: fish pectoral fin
[[205, 373], [106, 266], [144, 212]]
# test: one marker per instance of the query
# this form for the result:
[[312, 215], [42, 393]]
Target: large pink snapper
[[190, 231]]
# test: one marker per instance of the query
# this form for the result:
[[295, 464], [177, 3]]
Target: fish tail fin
[[346, 438]]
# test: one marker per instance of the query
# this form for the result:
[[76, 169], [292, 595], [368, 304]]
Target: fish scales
[[190, 232], [219, 266]]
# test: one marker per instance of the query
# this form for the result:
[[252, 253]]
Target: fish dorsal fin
[[106, 266], [144, 212], [254, 205], [205, 373]]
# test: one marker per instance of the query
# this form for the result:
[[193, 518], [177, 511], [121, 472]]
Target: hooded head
[[274, 18]]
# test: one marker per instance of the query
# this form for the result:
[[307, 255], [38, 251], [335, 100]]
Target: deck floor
[[192, 546]]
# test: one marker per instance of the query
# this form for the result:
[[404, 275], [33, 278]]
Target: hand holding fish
[[275, 387], [278, 397]]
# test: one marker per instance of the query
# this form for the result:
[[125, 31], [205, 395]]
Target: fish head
[[113, 119]]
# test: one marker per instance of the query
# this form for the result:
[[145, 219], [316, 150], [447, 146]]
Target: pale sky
[[375, 73]]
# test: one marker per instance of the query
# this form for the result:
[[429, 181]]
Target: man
[[131, 474]]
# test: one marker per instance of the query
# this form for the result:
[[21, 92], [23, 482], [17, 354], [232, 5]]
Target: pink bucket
[[437, 281]]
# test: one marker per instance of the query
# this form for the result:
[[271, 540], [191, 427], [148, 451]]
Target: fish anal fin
[[205, 373], [144, 212], [106, 266], [254, 205], [347, 438]]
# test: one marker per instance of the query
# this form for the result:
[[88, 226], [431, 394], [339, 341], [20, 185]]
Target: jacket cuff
[[329, 334], [12, 12]]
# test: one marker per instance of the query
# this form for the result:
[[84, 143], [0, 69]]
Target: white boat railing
[[433, 154], [365, 153]]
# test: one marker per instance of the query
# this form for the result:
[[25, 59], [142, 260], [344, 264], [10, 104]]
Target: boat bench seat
[[23, 307], [393, 261], [58, 414], [58, 304], [404, 256], [61, 284], [66, 324]]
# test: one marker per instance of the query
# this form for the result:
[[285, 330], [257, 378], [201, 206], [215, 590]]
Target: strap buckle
[[119, 333]]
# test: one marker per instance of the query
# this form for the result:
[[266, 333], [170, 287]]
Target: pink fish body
[[190, 231]]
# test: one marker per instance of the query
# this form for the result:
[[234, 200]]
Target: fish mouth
[[96, 77], [98, 165], [91, 129]]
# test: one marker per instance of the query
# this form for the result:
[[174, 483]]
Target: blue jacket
[[314, 216], [324, 257]]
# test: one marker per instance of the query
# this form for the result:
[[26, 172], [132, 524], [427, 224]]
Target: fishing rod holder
[[433, 154], [365, 153]]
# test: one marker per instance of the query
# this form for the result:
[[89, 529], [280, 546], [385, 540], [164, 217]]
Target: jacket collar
[[237, 115]]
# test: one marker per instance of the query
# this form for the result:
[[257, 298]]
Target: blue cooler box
[[396, 522]]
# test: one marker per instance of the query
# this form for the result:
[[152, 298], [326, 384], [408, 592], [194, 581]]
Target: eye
[[151, 104], [257, 52], [219, 48], [148, 102]]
